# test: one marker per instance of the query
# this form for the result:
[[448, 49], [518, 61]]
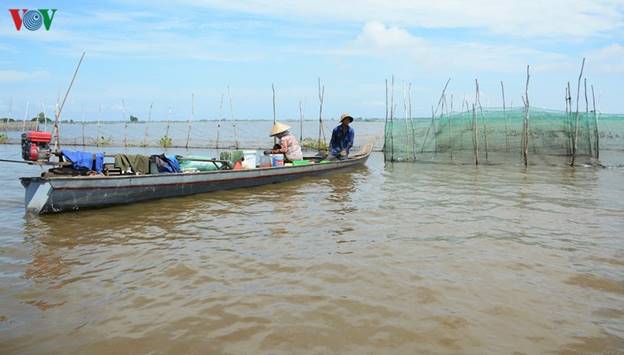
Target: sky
[[228, 54]]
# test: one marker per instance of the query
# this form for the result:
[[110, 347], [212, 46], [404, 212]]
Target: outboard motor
[[36, 145]]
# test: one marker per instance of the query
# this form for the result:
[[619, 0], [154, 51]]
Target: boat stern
[[37, 194]]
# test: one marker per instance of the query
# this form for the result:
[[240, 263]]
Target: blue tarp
[[85, 160]]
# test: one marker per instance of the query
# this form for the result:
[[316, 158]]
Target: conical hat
[[279, 128]]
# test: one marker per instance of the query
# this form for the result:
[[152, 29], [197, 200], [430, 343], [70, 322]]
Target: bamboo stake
[[6, 123], [274, 114], [392, 118], [234, 123], [570, 125], [221, 117], [578, 92], [168, 123], [123, 107], [589, 144], [300, 122], [434, 113], [56, 131], [596, 135], [526, 120], [149, 118], [505, 118], [25, 116], [409, 98], [321, 95], [483, 118], [475, 135], [188, 133], [386, 125], [45, 117], [448, 117], [97, 130]]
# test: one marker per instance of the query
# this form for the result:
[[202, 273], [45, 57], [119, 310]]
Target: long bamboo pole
[[321, 95], [300, 122], [483, 118], [392, 118], [274, 113], [505, 118], [434, 113], [586, 119], [596, 135], [578, 92], [570, 124], [149, 118], [525, 148], [386, 125], [56, 130], [220, 118], [192, 118], [475, 135]]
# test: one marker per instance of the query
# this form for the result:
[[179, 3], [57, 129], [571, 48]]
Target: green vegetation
[[134, 119], [6, 119], [3, 138], [165, 142], [312, 143]]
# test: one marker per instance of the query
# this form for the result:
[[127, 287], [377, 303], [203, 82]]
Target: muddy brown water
[[388, 258]]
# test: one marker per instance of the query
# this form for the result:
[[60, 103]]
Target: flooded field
[[389, 258]]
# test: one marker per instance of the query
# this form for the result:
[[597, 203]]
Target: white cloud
[[609, 60], [17, 75], [379, 40], [566, 19]]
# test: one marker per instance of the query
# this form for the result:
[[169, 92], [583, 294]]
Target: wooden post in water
[[596, 135], [525, 148], [97, 130], [578, 92], [188, 133], [586, 119], [168, 124], [321, 98], [413, 138], [505, 118], [221, 116], [274, 114], [234, 123], [386, 124], [25, 116], [149, 118], [475, 135], [123, 108], [392, 118], [483, 118], [300, 122]]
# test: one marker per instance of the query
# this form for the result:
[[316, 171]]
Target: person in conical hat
[[288, 143], [342, 139]]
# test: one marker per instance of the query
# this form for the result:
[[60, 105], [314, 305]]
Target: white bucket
[[250, 159]]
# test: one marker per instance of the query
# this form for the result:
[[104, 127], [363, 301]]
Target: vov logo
[[32, 19]]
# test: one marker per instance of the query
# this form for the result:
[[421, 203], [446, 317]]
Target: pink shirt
[[290, 147]]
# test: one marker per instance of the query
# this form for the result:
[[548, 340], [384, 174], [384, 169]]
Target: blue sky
[[151, 51]]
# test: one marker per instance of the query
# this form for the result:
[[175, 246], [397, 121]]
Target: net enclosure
[[497, 135]]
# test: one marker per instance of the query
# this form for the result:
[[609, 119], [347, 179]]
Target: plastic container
[[300, 162], [249, 161], [264, 161], [277, 159]]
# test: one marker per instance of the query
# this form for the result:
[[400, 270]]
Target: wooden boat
[[63, 193]]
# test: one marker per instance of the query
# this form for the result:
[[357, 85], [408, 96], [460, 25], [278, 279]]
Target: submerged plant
[[3, 138]]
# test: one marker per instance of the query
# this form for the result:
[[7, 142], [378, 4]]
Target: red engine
[[36, 145]]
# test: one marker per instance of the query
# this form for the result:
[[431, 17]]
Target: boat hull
[[60, 194]]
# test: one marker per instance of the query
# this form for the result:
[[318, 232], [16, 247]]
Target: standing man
[[341, 139]]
